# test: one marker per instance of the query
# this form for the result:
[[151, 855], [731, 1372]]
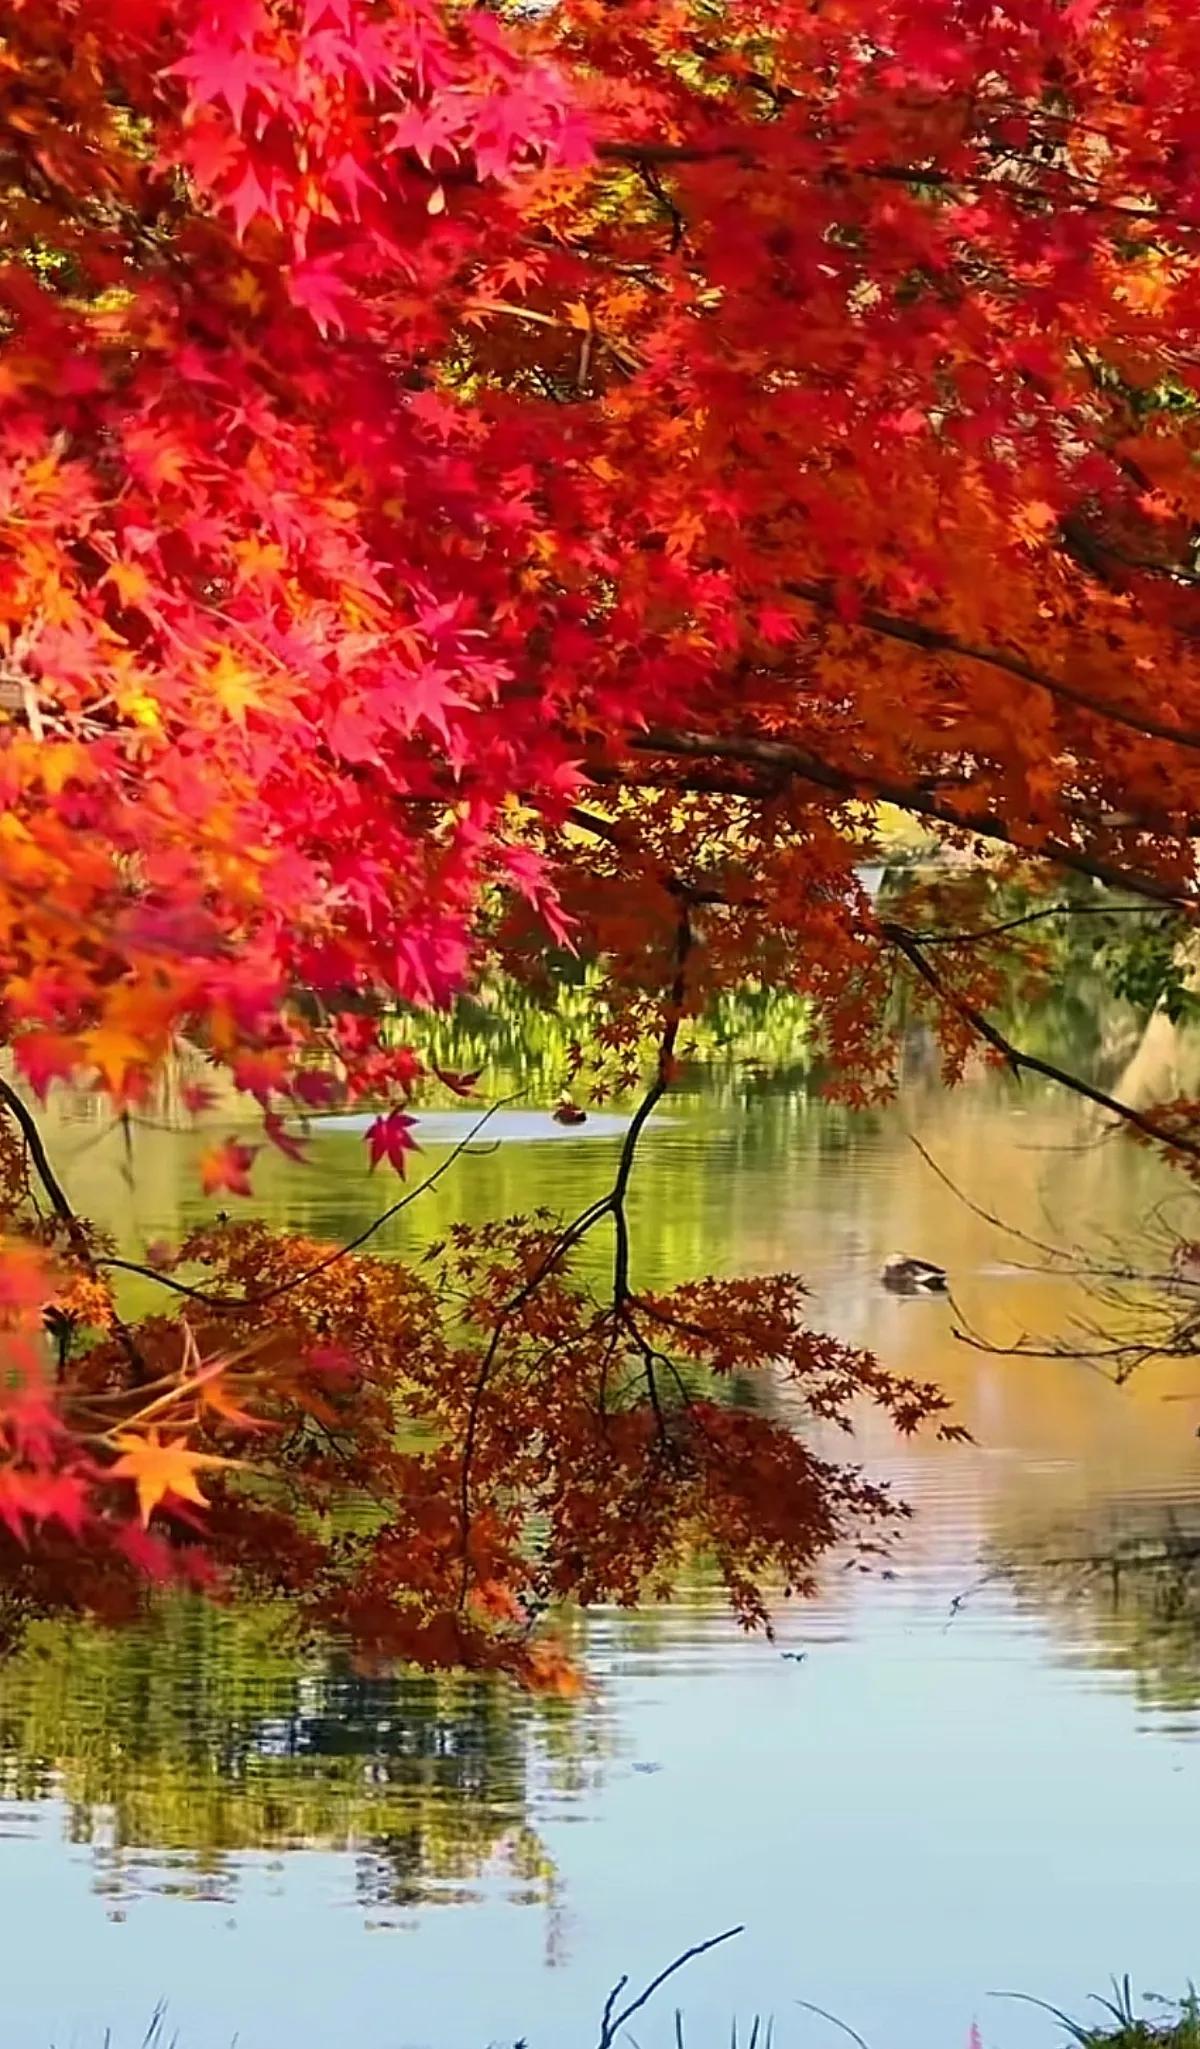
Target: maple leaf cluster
[[480, 483]]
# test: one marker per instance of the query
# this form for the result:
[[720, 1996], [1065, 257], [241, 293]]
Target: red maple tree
[[481, 477]]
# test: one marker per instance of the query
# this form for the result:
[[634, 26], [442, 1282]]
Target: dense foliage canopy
[[484, 478]]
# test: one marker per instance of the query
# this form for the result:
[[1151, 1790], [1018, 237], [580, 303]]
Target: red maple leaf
[[335, 1364], [325, 297], [462, 1084], [314, 1087], [390, 1138], [281, 1137], [43, 1497], [404, 1067], [44, 1057]]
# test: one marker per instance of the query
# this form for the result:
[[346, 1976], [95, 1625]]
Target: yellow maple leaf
[[1147, 289], [237, 689], [129, 580], [217, 1395], [57, 762], [143, 710], [256, 557], [159, 1468], [245, 290], [115, 1054]]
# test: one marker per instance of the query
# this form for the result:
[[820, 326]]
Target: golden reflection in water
[[736, 1176], [743, 1177]]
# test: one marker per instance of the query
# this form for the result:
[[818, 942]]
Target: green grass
[[1117, 2024]]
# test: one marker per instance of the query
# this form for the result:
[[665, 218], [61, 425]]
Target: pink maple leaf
[[325, 296], [250, 197], [221, 65]]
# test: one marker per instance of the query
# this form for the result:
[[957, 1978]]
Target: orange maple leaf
[[119, 1058], [219, 1397], [227, 1166], [158, 1469], [129, 580]]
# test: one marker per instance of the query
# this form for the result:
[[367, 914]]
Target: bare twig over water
[[613, 2021]]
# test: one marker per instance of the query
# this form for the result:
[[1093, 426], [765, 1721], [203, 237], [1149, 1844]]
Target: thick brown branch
[[650, 1101], [935, 640], [1073, 191], [864, 785], [24, 1118]]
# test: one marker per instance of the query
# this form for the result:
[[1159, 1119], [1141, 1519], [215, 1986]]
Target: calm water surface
[[968, 1781]]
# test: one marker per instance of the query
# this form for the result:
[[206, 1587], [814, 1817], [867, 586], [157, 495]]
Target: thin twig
[[1064, 910], [77, 1236], [611, 1204], [834, 2021], [1018, 1060], [613, 2023], [265, 1295], [986, 1216]]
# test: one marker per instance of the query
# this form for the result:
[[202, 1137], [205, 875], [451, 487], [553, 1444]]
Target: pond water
[[933, 1787]]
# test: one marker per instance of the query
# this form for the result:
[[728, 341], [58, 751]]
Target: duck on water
[[906, 1276]]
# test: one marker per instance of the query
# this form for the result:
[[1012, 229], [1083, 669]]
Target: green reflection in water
[[177, 1750], [178, 1745], [1122, 1592]]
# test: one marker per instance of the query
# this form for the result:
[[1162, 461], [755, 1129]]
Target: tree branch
[[611, 1204], [77, 1236], [23, 1116], [861, 785], [933, 639], [612, 2023], [650, 1101], [1065, 910], [1019, 1061], [235, 1302]]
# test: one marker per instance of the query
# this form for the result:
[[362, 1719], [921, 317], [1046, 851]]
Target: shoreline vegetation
[[1119, 2023]]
